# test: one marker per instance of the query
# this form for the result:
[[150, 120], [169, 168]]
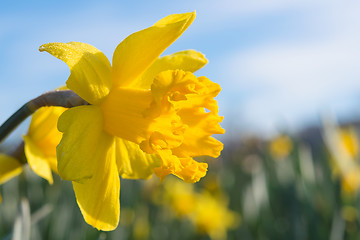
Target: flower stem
[[60, 98], [10, 124]]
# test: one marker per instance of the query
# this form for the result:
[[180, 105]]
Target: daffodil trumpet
[[60, 98]]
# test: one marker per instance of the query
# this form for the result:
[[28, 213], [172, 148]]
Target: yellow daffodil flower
[[141, 228], [350, 141], [208, 213], [351, 181], [9, 168], [145, 113], [212, 216], [280, 147], [180, 196], [41, 141], [343, 144]]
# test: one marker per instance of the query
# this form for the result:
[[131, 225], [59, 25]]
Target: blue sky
[[280, 63]]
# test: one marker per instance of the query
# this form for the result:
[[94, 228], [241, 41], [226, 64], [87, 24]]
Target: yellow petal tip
[[187, 18]]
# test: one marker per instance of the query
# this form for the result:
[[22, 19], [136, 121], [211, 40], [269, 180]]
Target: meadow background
[[290, 95]]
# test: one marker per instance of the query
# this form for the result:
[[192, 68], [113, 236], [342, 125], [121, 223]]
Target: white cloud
[[300, 66]]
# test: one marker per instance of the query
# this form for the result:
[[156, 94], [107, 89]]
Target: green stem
[[64, 98]]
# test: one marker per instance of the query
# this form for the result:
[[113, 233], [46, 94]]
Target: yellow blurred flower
[[349, 213], [351, 181], [141, 228], [142, 108], [212, 216], [280, 147], [180, 196], [343, 145], [208, 213], [9, 168], [350, 141]]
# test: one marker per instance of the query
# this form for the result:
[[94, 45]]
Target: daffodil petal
[[186, 168], [132, 162], [84, 143], [90, 69], [43, 129], [99, 197], [188, 60], [44, 137], [197, 138], [139, 50], [191, 170], [37, 161], [9, 168]]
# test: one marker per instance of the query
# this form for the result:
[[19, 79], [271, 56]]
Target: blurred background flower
[[208, 212], [280, 147]]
